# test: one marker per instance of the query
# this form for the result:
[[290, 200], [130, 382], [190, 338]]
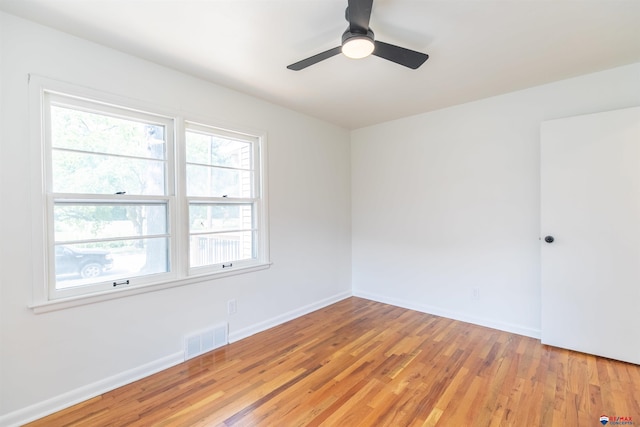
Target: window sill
[[61, 304]]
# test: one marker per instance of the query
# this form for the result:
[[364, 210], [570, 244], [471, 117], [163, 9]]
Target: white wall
[[449, 201], [48, 360], [440, 204]]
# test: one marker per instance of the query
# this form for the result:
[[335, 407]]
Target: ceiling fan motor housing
[[348, 35]]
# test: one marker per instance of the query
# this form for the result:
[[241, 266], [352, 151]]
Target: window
[[223, 197], [122, 213]]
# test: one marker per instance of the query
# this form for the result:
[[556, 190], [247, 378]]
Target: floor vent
[[205, 340]]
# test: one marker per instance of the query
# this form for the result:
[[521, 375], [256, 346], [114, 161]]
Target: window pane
[[217, 151], [212, 249], [101, 221], [207, 181], [78, 265], [98, 133], [75, 172], [212, 217]]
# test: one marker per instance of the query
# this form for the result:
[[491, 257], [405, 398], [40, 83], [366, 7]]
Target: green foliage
[[99, 154], [209, 158]]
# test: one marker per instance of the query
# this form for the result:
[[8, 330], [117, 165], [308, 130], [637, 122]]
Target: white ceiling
[[477, 48]]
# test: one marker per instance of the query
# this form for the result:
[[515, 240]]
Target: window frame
[[253, 200], [168, 199], [44, 295]]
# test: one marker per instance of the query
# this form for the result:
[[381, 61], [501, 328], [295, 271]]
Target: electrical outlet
[[232, 306], [476, 294]]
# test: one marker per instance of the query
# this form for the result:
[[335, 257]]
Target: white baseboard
[[424, 308], [47, 407], [282, 318]]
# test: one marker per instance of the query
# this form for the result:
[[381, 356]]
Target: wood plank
[[363, 363]]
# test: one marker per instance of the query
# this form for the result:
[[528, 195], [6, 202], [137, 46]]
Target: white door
[[590, 198]]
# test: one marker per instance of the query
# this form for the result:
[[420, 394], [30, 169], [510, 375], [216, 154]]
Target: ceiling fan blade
[[315, 59], [399, 55], [359, 14]]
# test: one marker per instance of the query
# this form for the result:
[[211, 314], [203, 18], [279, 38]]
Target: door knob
[[549, 239]]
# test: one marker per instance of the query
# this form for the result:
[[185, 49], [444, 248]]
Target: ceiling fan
[[358, 42]]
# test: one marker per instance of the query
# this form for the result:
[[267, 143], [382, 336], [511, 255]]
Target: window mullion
[[181, 206]]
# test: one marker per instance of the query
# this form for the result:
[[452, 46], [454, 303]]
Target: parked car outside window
[[86, 263]]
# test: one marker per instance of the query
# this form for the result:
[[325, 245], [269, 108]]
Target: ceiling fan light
[[357, 47]]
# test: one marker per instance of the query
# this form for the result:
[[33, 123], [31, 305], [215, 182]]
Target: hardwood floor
[[363, 363]]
